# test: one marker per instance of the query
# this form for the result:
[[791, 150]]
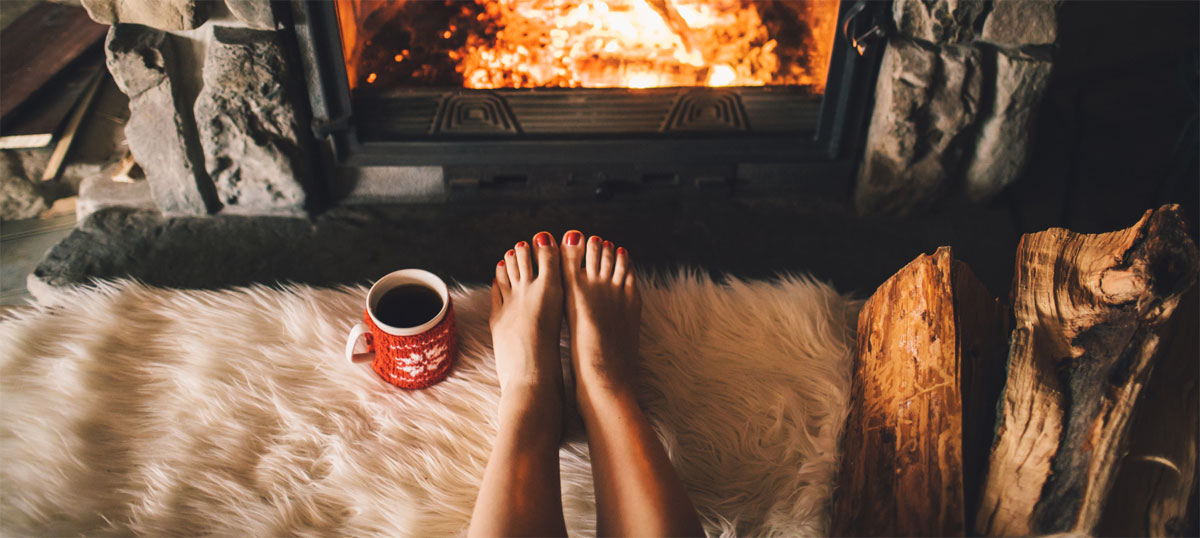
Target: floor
[[23, 243]]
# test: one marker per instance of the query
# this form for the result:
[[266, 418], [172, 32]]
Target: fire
[[604, 43]]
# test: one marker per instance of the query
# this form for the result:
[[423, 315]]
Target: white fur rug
[[134, 410]]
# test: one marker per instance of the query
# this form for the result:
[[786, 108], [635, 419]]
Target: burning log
[[1089, 309], [931, 344]]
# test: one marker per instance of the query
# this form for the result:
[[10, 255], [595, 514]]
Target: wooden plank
[[43, 114], [1088, 309], [903, 458], [38, 45], [59, 155]]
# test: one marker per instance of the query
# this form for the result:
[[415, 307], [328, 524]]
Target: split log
[[1150, 496], [1087, 313], [931, 341]]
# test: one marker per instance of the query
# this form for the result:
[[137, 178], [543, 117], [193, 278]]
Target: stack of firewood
[[1073, 411]]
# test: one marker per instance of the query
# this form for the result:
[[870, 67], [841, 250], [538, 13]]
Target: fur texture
[[135, 410]]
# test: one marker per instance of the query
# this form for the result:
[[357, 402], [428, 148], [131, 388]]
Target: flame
[[620, 43]]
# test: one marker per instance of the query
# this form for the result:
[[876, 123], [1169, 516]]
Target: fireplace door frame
[[836, 136]]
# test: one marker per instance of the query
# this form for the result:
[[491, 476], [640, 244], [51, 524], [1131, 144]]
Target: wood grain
[[902, 471], [1151, 491], [1088, 309]]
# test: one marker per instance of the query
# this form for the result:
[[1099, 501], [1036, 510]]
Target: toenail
[[501, 264], [573, 238], [608, 244], [595, 239], [621, 251], [542, 239], [522, 244], [511, 252]]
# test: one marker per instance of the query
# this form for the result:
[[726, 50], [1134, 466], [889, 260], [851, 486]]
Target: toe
[[524, 261], [620, 266], [631, 290], [496, 300], [572, 252], [501, 284], [591, 261], [606, 261], [510, 264], [547, 255]]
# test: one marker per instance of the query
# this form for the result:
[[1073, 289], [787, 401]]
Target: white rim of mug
[[400, 278]]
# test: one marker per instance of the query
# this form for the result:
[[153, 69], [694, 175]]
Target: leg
[[521, 494], [637, 490]]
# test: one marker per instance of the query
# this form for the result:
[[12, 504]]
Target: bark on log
[[1088, 309], [1157, 476], [929, 339]]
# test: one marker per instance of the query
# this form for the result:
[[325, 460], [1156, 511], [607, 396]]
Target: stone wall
[[218, 114], [958, 88]]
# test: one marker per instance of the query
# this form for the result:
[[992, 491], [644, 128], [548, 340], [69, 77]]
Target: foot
[[603, 312], [525, 320]]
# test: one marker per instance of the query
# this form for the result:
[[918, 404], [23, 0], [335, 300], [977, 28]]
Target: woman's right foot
[[603, 312]]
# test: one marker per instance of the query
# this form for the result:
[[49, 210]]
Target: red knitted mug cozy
[[417, 361]]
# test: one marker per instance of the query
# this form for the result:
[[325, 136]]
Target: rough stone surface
[[255, 13], [1017, 23], [255, 147], [100, 191], [939, 21], [926, 99], [161, 14], [19, 199], [139, 59], [1004, 137]]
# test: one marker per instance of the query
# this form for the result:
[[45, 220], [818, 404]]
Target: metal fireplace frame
[[831, 144]]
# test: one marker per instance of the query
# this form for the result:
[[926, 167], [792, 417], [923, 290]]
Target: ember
[[587, 43]]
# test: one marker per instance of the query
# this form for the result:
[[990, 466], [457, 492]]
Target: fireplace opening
[[498, 88], [493, 44]]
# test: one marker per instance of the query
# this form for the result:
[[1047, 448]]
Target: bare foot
[[525, 320], [603, 312]]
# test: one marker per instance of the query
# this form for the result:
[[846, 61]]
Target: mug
[[407, 357]]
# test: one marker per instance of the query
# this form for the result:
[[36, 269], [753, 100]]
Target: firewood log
[[1150, 496], [1088, 312], [931, 341]]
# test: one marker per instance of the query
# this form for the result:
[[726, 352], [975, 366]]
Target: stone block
[[926, 100], [1004, 136], [1017, 23], [173, 15], [19, 199], [255, 13], [100, 191], [140, 60], [255, 144], [938, 21]]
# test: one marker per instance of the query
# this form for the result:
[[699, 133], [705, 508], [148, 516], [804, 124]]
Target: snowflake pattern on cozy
[[416, 361]]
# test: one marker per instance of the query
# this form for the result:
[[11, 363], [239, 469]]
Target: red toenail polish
[[608, 244], [501, 264], [595, 239], [542, 239], [573, 238], [511, 252], [522, 244], [622, 251]]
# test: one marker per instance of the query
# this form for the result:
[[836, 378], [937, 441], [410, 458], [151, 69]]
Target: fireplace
[[584, 97]]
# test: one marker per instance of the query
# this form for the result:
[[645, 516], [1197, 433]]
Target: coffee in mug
[[408, 328]]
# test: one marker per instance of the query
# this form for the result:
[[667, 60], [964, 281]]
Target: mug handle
[[358, 331]]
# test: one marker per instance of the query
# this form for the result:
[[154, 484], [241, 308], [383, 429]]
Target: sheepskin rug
[[128, 409]]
